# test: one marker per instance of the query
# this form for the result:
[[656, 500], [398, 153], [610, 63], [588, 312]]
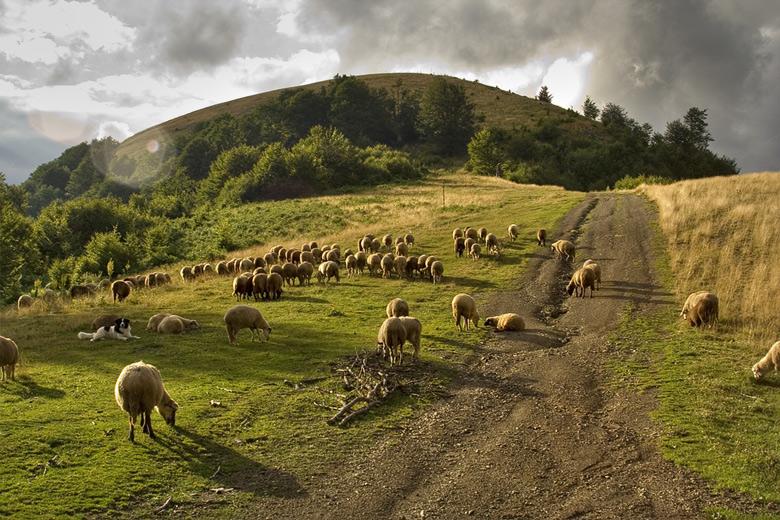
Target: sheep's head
[[490, 322], [193, 325], [266, 333], [475, 318], [167, 409], [570, 287], [757, 372]]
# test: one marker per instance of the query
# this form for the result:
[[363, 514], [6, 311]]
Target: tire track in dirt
[[532, 429]]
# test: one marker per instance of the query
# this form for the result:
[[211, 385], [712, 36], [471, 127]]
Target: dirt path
[[532, 430]]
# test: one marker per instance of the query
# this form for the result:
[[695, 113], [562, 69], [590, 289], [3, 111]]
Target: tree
[[544, 95], [230, 163], [696, 121], [362, 114], [446, 117], [590, 109], [18, 256], [487, 150], [196, 158]]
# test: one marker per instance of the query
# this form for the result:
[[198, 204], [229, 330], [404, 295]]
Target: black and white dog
[[119, 330]]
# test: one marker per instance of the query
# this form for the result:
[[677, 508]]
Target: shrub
[[629, 183]]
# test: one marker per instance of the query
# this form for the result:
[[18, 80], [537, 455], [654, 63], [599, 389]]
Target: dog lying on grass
[[119, 330]]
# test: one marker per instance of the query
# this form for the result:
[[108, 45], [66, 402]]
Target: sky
[[73, 70]]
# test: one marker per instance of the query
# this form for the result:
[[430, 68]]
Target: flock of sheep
[[139, 388]]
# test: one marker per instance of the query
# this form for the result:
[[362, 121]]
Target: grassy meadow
[[714, 234], [63, 439]]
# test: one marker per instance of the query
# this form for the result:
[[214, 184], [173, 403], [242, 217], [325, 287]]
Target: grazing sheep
[[401, 249], [186, 273], [351, 264], [328, 270], [260, 286], [464, 306], [120, 290], [430, 260], [305, 247], [701, 308], [246, 317], [295, 257], [387, 265], [582, 279], [399, 265], [246, 265], [138, 390], [347, 252], [197, 270], [590, 264], [374, 263], [276, 268], [376, 245], [409, 239], [332, 255], [459, 246], [541, 237], [467, 245], [437, 271], [413, 333], [9, 358], [240, 285], [259, 262], [387, 240], [269, 258], [364, 244], [512, 231], [471, 233], [222, 268], [457, 233], [281, 255], [491, 244], [289, 273], [313, 245], [152, 324], [305, 272], [174, 324], [78, 291], [508, 321], [411, 267], [307, 256], [391, 339], [483, 232], [258, 270], [397, 308], [563, 249], [316, 254], [360, 261], [771, 361], [421, 263], [273, 286], [476, 251]]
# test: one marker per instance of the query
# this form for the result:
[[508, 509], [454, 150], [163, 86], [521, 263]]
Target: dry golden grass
[[724, 235]]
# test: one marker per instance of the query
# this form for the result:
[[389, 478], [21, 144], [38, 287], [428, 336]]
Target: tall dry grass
[[724, 235]]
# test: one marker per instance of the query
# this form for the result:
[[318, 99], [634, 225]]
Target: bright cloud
[[566, 79]]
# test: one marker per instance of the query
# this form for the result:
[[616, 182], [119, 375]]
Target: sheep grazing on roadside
[[512, 232], [387, 265], [590, 264], [186, 274], [273, 286], [260, 286], [241, 287], [541, 237], [563, 249], [361, 259], [505, 322], [152, 324], [399, 265], [246, 317], [470, 232], [374, 263], [492, 245], [483, 233], [138, 390], [582, 279], [391, 339], [770, 362], [289, 273], [222, 268], [305, 272], [464, 306], [120, 290], [401, 249], [437, 271], [175, 324], [80, 291], [397, 308], [457, 233], [459, 246], [328, 270], [9, 358], [409, 239], [387, 241], [476, 251], [413, 333], [351, 264], [700, 309]]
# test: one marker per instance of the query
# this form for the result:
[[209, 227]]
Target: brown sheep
[[391, 339], [376, 245], [504, 322], [397, 308], [259, 286], [276, 268], [222, 268], [563, 249], [78, 291], [364, 244], [374, 263], [411, 267], [186, 273], [701, 308], [138, 390], [289, 273], [246, 317], [582, 279], [120, 290], [242, 287], [305, 272], [351, 264], [387, 265], [491, 244], [274, 285], [399, 265], [483, 233], [197, 270], [328, 270], [387, 241], [457, 233], [361, 260], [152, 324], [512, 232], [9, 358], [470, 232], [541, 237], [459, 246], [437, 271], [401, 249], [771, 361], [590, 264], [409, 239], [464, 306]]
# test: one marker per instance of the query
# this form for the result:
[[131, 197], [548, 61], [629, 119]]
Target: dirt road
[[532, 429]]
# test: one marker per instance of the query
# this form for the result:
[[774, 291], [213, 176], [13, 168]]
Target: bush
[[629, 183], [104, 247]]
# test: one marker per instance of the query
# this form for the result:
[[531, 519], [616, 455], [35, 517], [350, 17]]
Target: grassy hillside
[[716, 419], [500, 108], [63, 439]]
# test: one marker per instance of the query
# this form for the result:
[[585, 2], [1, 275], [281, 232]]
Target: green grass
[[63, 439], [716, 420]]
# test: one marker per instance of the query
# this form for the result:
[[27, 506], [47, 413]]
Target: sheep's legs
[[149, 429], [131, 436]]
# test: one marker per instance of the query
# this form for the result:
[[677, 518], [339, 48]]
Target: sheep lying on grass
[[152, 324], [505, 322], [770, 362], [582, 279], [397, 308], [391, 339], [246, 317], [138, 390], [174, 324], [9, 358], [464, 306], [700, 308]]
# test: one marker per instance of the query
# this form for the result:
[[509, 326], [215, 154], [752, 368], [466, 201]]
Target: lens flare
[[152, 145]]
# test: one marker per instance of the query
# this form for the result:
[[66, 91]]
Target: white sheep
[[391, 339], [464, 306], [771, 361], [397, 308], [246, 317], [9, 358], [138, 390]]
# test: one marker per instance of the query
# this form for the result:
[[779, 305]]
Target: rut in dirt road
[[531, 430]]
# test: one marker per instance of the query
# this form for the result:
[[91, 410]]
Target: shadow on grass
[[28, 388], [468, 282], [235, 470]]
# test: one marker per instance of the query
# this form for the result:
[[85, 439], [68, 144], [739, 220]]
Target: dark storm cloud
[[22, 149]]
